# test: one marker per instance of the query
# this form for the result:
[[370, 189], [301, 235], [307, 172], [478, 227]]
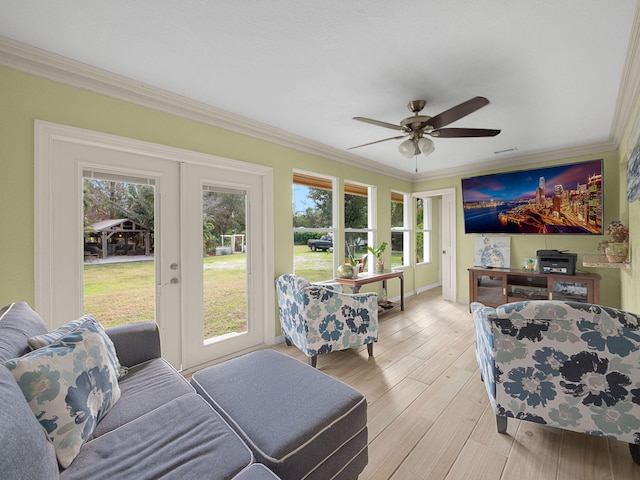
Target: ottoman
[[298, 421]]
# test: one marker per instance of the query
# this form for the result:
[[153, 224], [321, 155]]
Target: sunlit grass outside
[[313, 266], [120, 293], [123, 293], [225, 295]]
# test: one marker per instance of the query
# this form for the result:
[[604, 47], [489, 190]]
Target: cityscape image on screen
[[564, 199]]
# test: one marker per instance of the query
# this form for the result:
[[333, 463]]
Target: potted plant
[[616, 249], [377, 252], [347, 270]]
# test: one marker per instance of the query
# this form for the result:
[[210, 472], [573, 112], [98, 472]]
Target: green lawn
[[121, 293]]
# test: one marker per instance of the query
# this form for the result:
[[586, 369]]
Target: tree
[[226, 212], [107, 199], [355, 211]]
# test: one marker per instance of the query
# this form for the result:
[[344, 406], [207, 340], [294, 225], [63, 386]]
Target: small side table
[[365, 278]]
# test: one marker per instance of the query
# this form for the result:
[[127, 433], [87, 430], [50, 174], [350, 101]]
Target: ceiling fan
[[417, 126]]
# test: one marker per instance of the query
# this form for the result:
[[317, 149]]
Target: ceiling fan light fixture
[[426, 146], [407, 148]]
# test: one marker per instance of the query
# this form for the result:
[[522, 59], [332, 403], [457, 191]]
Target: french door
[[208, 306]]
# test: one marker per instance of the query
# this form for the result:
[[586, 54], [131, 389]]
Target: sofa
[[157, 426], [562, 364]]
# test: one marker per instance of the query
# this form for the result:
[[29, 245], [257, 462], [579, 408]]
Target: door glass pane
[[119, 270], [225, 262]]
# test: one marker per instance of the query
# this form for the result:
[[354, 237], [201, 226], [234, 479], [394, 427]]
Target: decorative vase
[[346, 271], [617, 252], [379, 266]]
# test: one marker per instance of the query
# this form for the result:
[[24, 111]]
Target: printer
[[555, 261]]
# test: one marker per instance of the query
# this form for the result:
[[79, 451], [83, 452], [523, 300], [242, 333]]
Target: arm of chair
[[484, 345], [135, 343]]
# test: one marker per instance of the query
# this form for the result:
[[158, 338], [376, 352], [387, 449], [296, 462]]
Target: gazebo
[[119, 228]]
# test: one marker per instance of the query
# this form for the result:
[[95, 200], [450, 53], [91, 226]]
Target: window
[[400, 230], [313, 226], [358, 231], [423, 230]]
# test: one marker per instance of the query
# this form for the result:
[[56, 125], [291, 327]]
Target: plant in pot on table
[[616, 249], [377, 252]]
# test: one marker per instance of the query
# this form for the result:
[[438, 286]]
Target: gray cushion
[[297, 420], [18, 322], [184, 439], [146, 387], [25, 451]]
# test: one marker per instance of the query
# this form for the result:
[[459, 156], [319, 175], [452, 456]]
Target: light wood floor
[[429, 415]]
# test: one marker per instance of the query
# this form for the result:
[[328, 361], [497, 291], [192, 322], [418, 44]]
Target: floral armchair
[[569, 365], [319, 319]]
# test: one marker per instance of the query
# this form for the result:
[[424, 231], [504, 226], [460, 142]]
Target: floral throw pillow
[[69, 385], [43, 340]]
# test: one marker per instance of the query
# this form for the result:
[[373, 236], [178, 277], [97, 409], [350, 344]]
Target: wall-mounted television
[[563, 199]]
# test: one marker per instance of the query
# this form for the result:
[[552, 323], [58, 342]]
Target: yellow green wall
[[526, 245], [24, 98]]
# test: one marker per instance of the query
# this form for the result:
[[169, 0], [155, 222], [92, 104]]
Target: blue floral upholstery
[[70, 385], [569, 365], [319, 319]]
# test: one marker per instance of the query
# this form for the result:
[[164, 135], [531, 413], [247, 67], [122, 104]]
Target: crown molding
[[629, 90], [508, 163], [35, 61]]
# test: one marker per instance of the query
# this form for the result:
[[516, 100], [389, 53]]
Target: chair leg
[[287, 341], [634, 448], [313, 361], [370, 349], [501, 423]]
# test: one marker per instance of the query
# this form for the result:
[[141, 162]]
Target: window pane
[[355, 244], [356, 211], [397, 214], [224, 267], [316, 265], [423, 230], [420, 247], [313, 224], [312, 207], [419, 214], [397, 249]]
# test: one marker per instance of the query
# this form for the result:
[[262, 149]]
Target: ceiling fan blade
[[377, 141], [463, 132], [379, 123], [457, 112]]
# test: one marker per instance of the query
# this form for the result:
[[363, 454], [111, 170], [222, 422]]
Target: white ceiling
[[552, 69]]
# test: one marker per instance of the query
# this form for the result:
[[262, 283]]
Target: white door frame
[[447, 239], [48, 139]]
